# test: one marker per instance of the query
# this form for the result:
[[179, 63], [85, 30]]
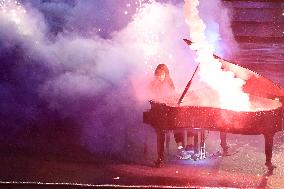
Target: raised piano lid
[[262, 92], [256, 84]]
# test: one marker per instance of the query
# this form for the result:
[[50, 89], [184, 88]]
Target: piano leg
[[268, 149], [202, 145], [160, 147], [195, 136]]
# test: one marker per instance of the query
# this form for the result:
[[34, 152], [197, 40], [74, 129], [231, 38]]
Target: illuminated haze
[[74, 74]]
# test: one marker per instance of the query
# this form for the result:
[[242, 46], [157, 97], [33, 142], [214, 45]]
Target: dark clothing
[[179, 137], [223, 139]]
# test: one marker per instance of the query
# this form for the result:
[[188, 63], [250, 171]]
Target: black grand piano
[[188, 111]]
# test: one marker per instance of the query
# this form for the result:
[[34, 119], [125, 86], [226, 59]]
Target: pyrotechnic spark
[[229, 88], [147, 16], [13, 11], [141, 3]]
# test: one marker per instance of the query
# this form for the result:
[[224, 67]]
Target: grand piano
[[191, 111]]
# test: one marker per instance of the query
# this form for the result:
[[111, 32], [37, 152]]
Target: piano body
[[265, 118]]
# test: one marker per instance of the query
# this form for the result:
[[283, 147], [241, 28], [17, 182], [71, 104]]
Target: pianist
[[163, 88], [162, 85]]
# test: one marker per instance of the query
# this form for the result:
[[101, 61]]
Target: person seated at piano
[[162, 85], [162, 88]]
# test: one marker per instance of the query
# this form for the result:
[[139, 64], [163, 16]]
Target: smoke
[[224, 82], [75, 73], [217, 19]]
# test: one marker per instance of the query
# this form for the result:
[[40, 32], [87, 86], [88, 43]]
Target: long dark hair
[[162, 67], [168, 80]]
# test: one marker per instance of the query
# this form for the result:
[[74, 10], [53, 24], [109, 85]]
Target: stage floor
[[244, 168]]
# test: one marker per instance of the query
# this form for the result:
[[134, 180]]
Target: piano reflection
[[191, 111]]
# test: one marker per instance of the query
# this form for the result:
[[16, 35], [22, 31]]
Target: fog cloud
[[90, 62]]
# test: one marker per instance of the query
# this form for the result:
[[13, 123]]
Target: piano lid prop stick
[[188, 85]]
